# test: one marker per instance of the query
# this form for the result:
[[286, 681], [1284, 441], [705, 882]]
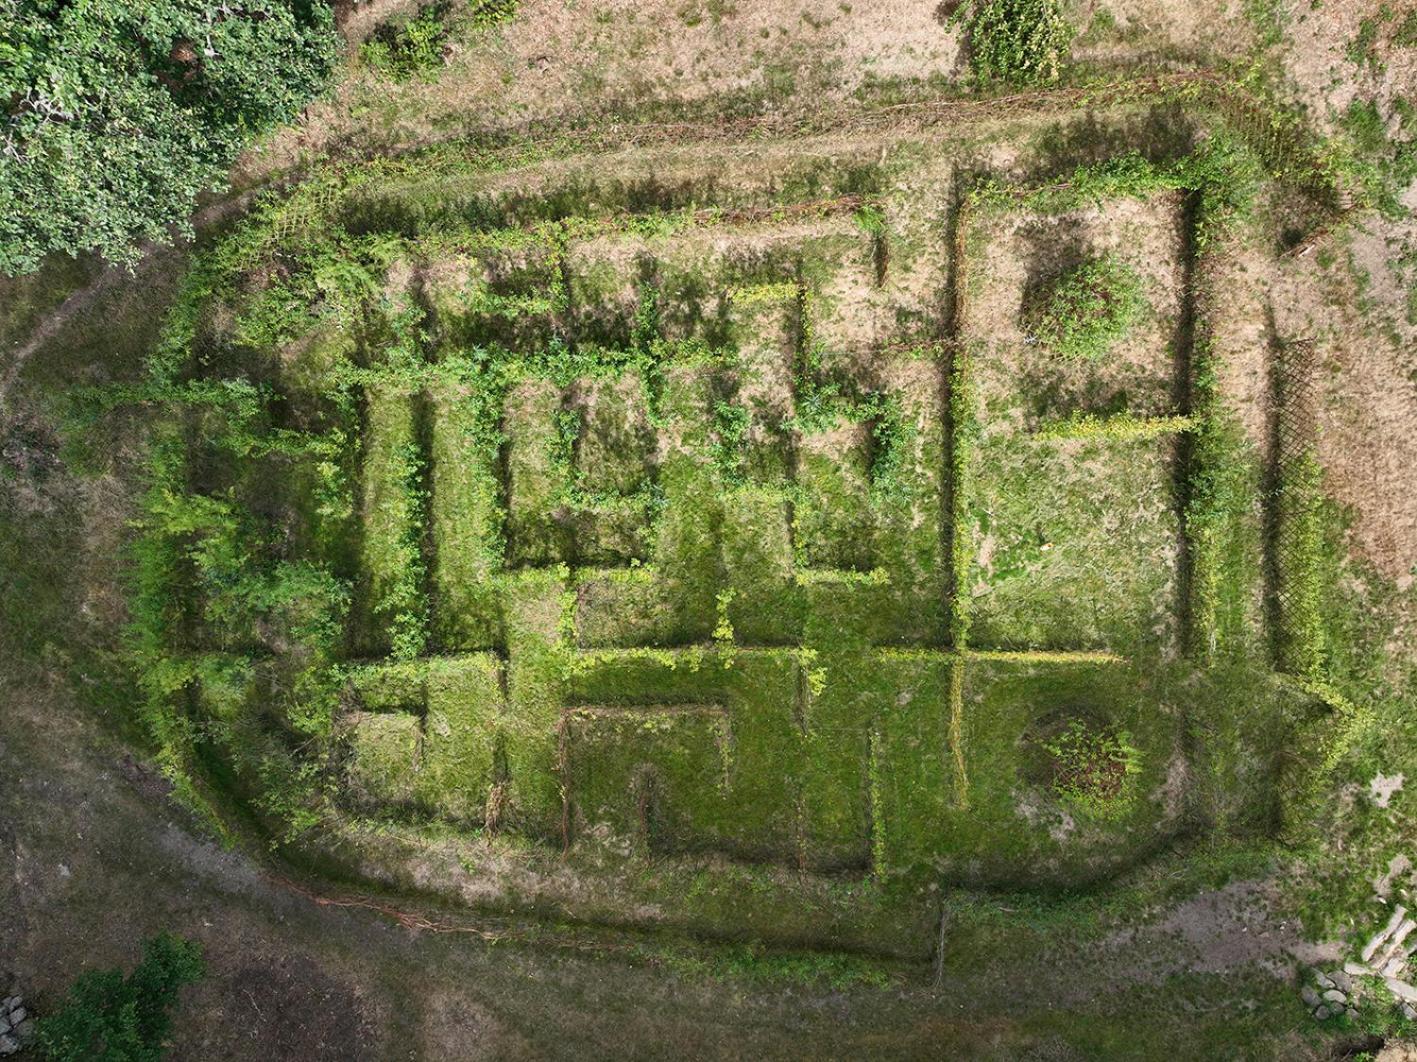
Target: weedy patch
[[1018, 41], [1093, 768]]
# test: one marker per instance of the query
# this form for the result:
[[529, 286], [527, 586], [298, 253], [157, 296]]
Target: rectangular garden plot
[[1074, 327]]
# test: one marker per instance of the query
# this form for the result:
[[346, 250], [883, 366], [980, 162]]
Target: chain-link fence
[[1296, 500]]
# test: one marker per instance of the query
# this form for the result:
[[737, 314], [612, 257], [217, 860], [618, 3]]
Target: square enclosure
[[1014, 256]]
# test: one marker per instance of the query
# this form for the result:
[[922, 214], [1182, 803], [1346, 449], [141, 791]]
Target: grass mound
[[1091, 308]]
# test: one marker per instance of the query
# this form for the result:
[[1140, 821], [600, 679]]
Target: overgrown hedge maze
[[722, 508]]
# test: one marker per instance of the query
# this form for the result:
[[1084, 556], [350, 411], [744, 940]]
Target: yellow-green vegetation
[[711, 508], [1125, 425], [1020, 41]]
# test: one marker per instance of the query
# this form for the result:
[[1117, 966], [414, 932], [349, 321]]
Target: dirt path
[[52, 324]]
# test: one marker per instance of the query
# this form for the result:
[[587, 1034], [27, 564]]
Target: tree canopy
[[115, 114]]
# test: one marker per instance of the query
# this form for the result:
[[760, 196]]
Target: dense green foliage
[[413, 49], [1091, 308], [1019, 41], [111, 1018], [121, 114], [1123, 425]]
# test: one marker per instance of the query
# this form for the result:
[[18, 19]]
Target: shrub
[[113, 1018], [403, 50], [1019, 41], [1090, 309], [491, 12], [1093, 767]]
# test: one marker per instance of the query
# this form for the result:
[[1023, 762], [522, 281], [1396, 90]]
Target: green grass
[[1077, 545], [1405, 36], [392, 500], [465, 514], [1017, 826]]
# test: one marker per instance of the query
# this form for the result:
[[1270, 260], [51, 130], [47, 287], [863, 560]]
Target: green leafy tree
[[115, 114], [112, 1018]]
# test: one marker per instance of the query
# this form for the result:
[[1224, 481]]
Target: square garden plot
[[1016, 823], [1014, 256], [1077, 543]]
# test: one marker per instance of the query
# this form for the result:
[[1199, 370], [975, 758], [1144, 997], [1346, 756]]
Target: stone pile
[[1387, 955], [1331, 994], [16, 1024]]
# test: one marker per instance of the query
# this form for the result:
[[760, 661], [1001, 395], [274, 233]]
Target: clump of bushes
[[1093, 767], [413, 49], [122, 1019], [1019, 41], [1090, 309]]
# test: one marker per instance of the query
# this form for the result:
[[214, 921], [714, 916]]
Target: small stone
[[4, 1025], [1341, 980], [1401, 989], [25, 1030], [1402, 932], [8, 1045], [1333, 995], [1408, 1011], [1310, 996], [1356, 969], [1322, 980], [17, 1015], [1321, 1013]]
